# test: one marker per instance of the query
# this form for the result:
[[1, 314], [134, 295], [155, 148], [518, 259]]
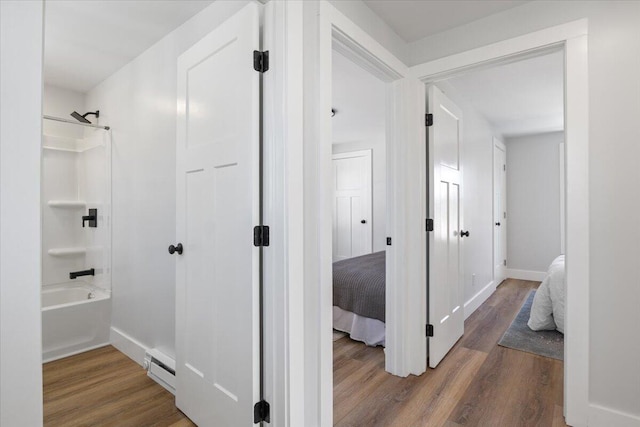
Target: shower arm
[[73, 122]]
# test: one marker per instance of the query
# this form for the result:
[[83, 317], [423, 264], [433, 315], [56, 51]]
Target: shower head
[[82, 118]]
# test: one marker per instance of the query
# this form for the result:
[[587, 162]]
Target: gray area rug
[[520, 337]]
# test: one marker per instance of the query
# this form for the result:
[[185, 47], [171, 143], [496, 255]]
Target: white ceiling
[[88, 40], [359, 101], [415, 19], [521, 98]]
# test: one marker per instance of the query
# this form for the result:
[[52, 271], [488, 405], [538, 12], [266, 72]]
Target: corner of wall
[[600, 416], [128, 345]]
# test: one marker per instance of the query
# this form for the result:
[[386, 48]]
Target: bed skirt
[[369, 331]]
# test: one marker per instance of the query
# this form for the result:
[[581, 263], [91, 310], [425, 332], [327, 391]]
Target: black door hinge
[[261, 412], [261, 235], [261, 61], [428, 119], [429, 330], [429, 224], [388, 241]]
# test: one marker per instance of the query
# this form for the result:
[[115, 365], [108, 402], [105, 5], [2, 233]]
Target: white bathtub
[[75, 318]]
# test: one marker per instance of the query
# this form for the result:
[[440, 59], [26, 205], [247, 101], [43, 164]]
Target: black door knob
[[498, 224], [364, 221], [464, 233], [176, 248]]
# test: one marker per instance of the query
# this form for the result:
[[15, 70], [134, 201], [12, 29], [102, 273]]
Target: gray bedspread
[[359, 285]]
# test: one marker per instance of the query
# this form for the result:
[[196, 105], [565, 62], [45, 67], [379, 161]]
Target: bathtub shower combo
[[76, 236]]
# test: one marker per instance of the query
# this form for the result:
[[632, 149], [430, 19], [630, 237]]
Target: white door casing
[[352, 219], [499, 211], [217, 276], [445, 295]]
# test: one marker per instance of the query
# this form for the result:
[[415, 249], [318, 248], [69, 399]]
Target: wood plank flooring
[[104, 387], [477, 384]]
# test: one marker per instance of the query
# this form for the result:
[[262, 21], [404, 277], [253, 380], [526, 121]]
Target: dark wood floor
[[104, 387], [477, 384]]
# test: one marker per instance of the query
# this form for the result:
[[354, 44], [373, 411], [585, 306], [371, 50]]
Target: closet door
[[499, 212], [352, 219], [217, 271]]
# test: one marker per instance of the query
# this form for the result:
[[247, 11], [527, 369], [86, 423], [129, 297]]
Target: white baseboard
[[477, 300], [132, 348], [536, 276], [599, 416], [73, 353]]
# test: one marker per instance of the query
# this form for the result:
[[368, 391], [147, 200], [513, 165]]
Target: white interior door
[[352, 204], [217, 276], [445, 273], [499, 211]]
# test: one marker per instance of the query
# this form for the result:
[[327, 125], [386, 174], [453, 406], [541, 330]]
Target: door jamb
[[326, 29], [573, 37], [283, 261]]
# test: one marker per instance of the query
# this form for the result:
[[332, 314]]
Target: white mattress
[[369, 331]]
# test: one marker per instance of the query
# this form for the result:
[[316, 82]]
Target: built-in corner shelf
[[60, 252], [67, 204]]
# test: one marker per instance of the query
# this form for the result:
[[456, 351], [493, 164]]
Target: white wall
[[533, 201], [477, 193], [614, 66], [59, 102], [20, 135], [139, 103]]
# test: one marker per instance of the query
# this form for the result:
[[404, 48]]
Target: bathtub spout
[[74, 274]]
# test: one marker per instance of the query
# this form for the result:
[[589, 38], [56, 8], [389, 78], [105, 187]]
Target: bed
[[359, 297], [547, 310]]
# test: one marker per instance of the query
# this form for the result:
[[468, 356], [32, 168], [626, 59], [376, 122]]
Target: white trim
[[477, 300], [535, 276], [283, 264], [573, 37], [599, 416], [128, 345], [73, 353], [500, 52], [563, 199]]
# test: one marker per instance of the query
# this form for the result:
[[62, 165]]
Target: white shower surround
[[76, 176]]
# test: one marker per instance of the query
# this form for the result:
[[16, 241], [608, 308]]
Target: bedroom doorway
[[359, 197], [570, 167], [510, 110]]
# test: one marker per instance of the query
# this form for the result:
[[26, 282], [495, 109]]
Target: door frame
[[327, 29], [572, 37], [497, 144], [351, 154]]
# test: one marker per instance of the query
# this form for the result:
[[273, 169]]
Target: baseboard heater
[[161, 368]]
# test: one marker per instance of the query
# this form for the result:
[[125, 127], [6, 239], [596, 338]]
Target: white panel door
[[445, 273], [352, 204], [499, 212], [217, 276]]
